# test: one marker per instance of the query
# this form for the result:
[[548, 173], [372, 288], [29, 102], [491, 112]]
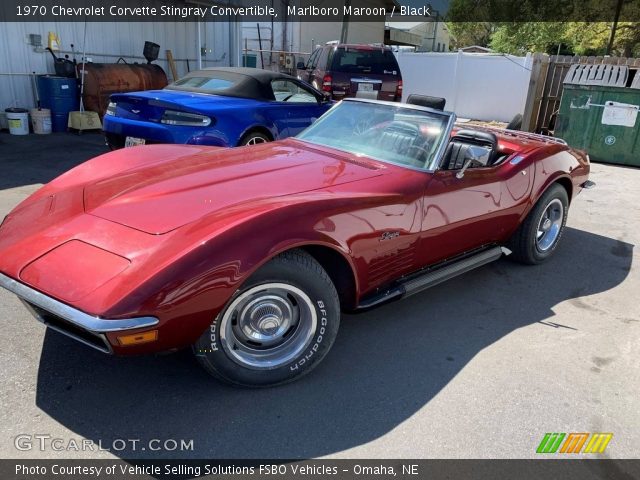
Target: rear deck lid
[[150, 105]]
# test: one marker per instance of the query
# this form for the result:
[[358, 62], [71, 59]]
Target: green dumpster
[[599, 112]]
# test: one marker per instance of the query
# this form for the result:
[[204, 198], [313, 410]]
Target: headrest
[[437, 103], [476, 137]]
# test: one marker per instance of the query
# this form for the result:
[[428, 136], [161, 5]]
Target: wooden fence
[[545, 87]]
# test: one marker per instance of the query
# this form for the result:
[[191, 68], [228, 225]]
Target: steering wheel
[[418, 152], [421, 155], [362, 126], [405, 127]]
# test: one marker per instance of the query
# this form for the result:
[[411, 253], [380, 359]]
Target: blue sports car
[[216, 106]]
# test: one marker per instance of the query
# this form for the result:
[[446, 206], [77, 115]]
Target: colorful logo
[[573, 442]]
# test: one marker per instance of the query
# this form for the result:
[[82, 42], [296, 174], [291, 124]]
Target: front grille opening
[[95, 340]]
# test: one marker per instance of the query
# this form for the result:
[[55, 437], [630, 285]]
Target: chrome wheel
[[268, 326], [255, 140], [550, 225]]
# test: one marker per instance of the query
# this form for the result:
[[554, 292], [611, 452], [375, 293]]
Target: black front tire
[[526, 243], [229, 354]]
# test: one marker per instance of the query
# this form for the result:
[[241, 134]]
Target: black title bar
[[319, 10], [566, 469]]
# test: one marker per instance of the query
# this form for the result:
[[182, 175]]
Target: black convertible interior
[[404, 138], [408, 139], [413, 137], [462, 141]]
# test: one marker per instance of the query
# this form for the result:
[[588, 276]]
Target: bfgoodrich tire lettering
[[277, 327], [538, 236]]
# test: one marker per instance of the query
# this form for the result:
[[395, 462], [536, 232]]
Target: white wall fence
[[476, 85]]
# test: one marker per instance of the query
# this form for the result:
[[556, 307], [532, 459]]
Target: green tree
[[593, 38], [466, 34], [522, 37], [579, 38], [521, 26]]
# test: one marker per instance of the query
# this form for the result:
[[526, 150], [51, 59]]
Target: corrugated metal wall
[[111, 40]]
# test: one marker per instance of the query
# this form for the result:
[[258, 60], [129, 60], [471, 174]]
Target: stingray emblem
[[389, 235], [135, 111]]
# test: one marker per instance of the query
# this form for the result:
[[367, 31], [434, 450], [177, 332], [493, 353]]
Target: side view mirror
[[326, 97], [475, 155], [301, 66]]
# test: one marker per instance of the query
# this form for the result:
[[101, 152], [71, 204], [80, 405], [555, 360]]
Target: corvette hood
[[166, 195]]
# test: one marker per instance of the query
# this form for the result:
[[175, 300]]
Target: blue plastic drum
[[60, 95]]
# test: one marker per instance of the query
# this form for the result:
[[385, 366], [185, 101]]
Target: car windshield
[[378, 61], [397, 134]]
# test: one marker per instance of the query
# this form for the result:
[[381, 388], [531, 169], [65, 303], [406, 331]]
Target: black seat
[[455, 155], [437, 103], [401, 138], [460, 143], [398, 135]]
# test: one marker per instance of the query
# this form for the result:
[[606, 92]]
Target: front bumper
[[85, 328]]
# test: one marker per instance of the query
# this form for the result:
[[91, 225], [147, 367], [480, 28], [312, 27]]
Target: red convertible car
[[249, 255]]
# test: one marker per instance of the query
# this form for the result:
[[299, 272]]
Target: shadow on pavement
[[33, 159], [386, 365]]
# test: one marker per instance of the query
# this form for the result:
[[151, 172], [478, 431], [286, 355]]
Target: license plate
[[133, 141], [365, 87]]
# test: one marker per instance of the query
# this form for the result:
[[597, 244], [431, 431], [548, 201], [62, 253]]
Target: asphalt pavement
[[479, 367]]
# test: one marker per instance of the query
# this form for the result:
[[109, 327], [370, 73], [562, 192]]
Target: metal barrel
[[103, 79], [60, 95]]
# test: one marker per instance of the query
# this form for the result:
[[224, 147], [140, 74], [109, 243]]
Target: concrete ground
[[480, 367]]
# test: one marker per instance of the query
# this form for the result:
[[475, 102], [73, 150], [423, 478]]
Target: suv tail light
[[399, 90], [326, 83]]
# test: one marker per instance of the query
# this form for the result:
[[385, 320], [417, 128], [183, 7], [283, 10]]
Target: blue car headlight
[[173, 117]]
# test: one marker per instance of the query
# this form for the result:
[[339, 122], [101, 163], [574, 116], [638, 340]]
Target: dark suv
[[346, 70]]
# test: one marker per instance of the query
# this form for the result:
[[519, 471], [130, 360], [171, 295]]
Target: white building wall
[[427, 30], [312, 34], [303, 37], [477, 86], [319, 33], [106, 41]]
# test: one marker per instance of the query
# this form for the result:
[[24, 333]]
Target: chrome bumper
[[70, 321]]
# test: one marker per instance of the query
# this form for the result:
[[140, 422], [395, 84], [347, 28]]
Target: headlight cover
[[173, 117]]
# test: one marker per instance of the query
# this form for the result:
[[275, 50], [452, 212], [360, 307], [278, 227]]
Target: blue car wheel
[[253, 138]]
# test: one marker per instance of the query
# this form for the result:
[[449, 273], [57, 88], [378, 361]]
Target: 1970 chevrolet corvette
[[248, 255]]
